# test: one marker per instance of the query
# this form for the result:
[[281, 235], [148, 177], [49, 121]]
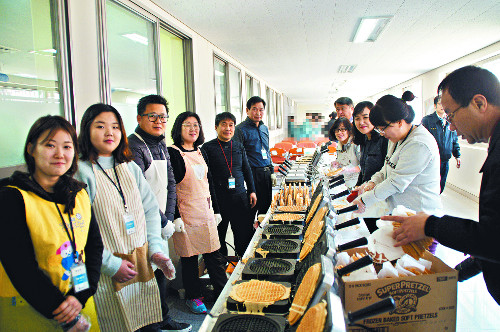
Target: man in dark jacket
[[446, 139], [230, 170], [471, 99], [150, 153]]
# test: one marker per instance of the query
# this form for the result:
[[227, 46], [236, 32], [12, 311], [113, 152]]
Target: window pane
[[132, 72], [29, 86], [220, 85], [235, 91], [172, 76], [249, 87], [256, 88], [279, 114]]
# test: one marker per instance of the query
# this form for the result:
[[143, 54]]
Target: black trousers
[[216, 266], [263, 188], [444, 173], [235, 210]]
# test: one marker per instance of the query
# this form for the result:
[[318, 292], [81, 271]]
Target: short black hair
[[177, 129], [254, 100], [359, 138], [463, 83], [342, 120], [390, 109], [150, 99], [344, 101], [333, 115], [224, 116], [437, 99]]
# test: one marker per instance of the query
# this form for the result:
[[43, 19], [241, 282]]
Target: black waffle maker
[[271, 269], [249, 322], [278, 248], [282, 231]]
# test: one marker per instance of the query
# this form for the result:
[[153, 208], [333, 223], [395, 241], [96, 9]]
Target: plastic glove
[[168, 230], [274, 180], [83, 324], [350, 169], [360, 204], [335, 164], [179, 225], [164, 264], [367, 186], [218, 218]]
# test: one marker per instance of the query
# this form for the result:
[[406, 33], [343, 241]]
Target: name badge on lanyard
[[129, 223], [264, 153], [79, 277], [231, 182]]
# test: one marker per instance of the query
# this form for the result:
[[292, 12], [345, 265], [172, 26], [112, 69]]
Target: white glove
[[274, 180], [218, 218], [168, 230], [165, 264], [350, 169], [179, 225]]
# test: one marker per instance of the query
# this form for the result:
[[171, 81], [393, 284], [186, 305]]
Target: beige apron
[[138, 304], [195, 208]]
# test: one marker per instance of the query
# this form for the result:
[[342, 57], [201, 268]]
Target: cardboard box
[[423, 303]]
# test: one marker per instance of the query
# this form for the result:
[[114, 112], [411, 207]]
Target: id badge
[[79, 277], [231, 183], [128, 220], [264, 154]]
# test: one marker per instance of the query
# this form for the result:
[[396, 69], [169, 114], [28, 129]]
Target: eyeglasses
[[153, 117], [338, 130], [451, 115], [381, 131], [191, 125]]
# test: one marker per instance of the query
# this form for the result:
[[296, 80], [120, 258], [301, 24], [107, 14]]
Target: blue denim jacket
[[446, 139], [254, 139]]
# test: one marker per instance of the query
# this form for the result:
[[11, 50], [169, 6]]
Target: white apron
[[195, 207], [137, 304], [157, 177]]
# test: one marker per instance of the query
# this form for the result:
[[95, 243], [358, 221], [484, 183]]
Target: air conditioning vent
[[344, 69]]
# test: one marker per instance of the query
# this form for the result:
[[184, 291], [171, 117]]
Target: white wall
[[467, 179], [83, 29]]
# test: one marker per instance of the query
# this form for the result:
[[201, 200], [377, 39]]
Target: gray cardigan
[[410, 175]]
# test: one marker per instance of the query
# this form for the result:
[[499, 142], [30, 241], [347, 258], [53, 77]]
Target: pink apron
[[195, 208]]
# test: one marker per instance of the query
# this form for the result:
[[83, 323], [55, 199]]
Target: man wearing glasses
[[447, 140], [150, 153], [344, 107], [471, 99], [254, 136]]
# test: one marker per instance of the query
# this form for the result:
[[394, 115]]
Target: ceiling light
[[343, 69], [369, 28], [137, 38]]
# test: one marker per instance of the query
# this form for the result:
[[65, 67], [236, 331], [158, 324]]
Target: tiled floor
[[476, 309]]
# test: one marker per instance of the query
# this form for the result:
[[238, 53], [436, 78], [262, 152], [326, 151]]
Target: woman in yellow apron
[[127, 297], [195, 211], [50, 246]]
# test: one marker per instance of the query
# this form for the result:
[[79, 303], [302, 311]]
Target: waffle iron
[[271, 269], [282, 231], [248, 322], [279, 307], [278, 248]]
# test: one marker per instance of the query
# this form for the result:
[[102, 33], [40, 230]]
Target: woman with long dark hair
[[410, 175], [348, 153], [373, 148], [50, 240], [126, 209], [197, 211]]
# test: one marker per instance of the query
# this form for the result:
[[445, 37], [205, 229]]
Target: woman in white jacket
[[348, 154], [410, 175]]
